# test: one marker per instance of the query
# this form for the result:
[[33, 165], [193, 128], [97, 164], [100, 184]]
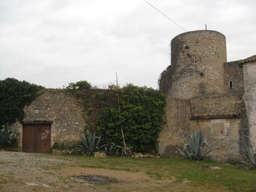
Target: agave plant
[[7, 137], [89, 143], [111, 148], [249, 156], [197, 147]]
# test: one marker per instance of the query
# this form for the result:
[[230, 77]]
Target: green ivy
[[14, 95], [142, 115], [142, 112]]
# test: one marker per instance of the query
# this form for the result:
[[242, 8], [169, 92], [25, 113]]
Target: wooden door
[[36, 138]]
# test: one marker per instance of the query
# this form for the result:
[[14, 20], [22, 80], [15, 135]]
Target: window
[[230, 84]]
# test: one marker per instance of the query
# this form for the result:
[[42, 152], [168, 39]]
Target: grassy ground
[[149, 174], [232, 177]]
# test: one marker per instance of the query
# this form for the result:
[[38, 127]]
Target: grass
[[198, 173], [231, 177]]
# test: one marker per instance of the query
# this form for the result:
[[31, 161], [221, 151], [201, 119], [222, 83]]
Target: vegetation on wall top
[[80, 85], [14, 95]]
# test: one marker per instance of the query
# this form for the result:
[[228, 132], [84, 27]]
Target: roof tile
[[247, 60]]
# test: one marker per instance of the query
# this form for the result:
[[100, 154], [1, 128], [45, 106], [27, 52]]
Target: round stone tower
[[196, 68]]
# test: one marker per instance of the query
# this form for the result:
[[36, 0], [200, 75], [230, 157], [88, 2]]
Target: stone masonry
[[59, 108], [206, 92], [203, 90]]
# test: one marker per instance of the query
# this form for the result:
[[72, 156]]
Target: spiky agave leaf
[[250, 156], [184, 154], [195, 142], [98, 142], [195, 149], [89, 142]]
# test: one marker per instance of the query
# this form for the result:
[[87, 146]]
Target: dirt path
[[22, 172]]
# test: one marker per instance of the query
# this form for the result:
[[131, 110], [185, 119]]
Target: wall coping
[[41, 122], [233, 116]]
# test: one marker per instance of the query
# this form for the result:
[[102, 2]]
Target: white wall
[[249, 71]]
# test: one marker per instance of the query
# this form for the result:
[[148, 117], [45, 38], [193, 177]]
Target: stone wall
[[221, 117], [233, 78], [218, 107], [61, 108], [177, 116], [225, 132], [197, 59], [205, 92], [249, 71]]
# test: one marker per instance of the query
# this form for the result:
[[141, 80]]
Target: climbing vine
[[14, 95], [141, 115], [142, 112]]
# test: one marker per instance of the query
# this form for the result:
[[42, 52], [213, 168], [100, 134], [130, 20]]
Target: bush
[[89, 143], [195, 149], [141, 116], [111, 148], [7, 137], [138, 112]]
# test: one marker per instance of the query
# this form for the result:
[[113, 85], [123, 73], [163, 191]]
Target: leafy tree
[[80, 85], [14, 95]]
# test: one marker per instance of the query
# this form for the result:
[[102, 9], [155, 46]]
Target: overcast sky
[[55, 42]]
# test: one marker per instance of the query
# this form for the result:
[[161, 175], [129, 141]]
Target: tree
[[14, 95], [79, 85]]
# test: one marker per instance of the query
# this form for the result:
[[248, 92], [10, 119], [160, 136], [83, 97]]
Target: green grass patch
[[202, 173], [154, 175], [199, 173]]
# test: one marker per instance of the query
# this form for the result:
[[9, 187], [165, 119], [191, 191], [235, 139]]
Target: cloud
[[54, 42]]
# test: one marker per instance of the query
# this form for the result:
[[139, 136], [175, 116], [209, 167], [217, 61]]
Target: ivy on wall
[[142, 112], [14, 95], [141, 116]]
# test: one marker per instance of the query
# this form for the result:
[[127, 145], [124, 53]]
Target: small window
[[230, 84]]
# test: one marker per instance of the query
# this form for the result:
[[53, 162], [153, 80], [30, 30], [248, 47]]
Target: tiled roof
[[247, 60]]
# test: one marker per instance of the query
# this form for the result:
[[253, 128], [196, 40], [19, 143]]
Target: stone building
[[54, 117], [203, 90], [206, 92]]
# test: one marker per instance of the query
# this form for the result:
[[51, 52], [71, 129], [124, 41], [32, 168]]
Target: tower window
[[230, 84]]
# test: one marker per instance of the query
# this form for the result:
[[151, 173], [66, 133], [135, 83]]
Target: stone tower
[[203, 92], [196, 68]]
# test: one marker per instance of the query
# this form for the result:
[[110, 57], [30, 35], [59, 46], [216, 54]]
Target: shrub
[[141, 116], [112, 149], [131, 114], [7, 137], [89, 143], [195, 149]]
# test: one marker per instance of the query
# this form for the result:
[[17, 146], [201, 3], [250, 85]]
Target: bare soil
[[22, 172]]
